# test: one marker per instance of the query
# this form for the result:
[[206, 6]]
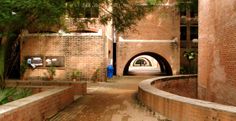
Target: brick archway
[[164, 64], [148, 62]]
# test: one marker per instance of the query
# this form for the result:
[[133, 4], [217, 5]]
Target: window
[[194, 32], [183, 33], [83, 10], [91, 12]]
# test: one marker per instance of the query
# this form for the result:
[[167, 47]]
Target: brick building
[[217, 42], [84, 51], [76, 52], [157, 36]]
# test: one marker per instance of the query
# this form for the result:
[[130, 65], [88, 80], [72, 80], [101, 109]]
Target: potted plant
[[190, 55], [51, 72], [75, 75], [96, 76], [23, 68]]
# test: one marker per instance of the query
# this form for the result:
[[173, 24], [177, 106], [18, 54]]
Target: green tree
[[16, 16], [19, 15]]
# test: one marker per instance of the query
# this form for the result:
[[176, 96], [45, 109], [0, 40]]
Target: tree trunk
[[2, 64], [3, 41]]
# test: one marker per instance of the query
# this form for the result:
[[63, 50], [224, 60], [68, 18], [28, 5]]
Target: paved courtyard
[[114, 100]]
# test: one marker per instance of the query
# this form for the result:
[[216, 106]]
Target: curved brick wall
[[179, 108], [181, 85]]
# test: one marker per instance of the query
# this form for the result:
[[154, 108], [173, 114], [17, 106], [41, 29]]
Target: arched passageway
[[147, 63], [142, 61]]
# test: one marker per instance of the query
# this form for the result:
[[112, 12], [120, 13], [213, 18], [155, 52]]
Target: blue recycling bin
[[110, 71]]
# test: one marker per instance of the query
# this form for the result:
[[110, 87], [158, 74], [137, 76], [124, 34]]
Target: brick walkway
[[111, 101]]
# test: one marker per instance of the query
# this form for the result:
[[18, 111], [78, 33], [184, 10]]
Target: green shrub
[[76, 74], [11, 94], [51, 72], [96, 75], [190, 55], [21, 93], [5, 94]]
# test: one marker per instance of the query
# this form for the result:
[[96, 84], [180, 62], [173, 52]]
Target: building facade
[[157, 35], [91, 50]]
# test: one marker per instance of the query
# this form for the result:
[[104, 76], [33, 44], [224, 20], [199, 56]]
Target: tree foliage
[[18, 14], [124, 15]]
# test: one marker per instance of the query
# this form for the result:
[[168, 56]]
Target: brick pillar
[[217, 50], [206, 41]]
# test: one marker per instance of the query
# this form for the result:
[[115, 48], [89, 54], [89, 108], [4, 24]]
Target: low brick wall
[[79, 88], [184, 85], [37, 107], [179, 108]]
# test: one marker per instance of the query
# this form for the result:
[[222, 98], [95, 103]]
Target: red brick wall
[[85, 53], [161, 24], [79, 88], [127, 50], [38, 107], [178, 108], [217, 42], [183, 86]]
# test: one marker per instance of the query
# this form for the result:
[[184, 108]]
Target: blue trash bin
[[110, 71]]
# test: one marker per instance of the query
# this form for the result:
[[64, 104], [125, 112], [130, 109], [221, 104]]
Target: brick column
[[217, 50]]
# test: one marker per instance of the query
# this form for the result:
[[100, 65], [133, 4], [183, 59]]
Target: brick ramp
[[111, 101]]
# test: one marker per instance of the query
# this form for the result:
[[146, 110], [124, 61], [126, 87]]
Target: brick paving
[[114, 100]]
